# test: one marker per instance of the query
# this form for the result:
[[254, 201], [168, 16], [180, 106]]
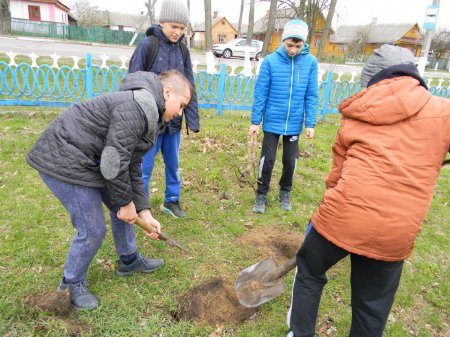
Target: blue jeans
[[84, 205], [169, 144]]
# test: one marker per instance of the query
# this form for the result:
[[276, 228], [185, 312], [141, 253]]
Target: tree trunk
[[301, 13], [5, 17], [312, 16], [151, 10], [208, 26], [270, 26], [326, 29], [240, 19], [251, 21]]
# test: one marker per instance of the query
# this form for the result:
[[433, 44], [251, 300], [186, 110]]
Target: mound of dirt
[[57, 303], [213, 303], [275, 242]]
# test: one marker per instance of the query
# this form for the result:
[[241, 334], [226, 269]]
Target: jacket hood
[[281, 51], [386, 102], [148, 81], [157, 31]]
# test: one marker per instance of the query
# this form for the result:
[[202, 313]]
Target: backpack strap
[[152, 51], [184, 52]]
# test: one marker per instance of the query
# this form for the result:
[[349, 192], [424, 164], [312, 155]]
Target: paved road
[[27, 45]]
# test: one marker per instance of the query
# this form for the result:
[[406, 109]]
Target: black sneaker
[[140, 265], [173, 209], [260, 203], [80, 296]]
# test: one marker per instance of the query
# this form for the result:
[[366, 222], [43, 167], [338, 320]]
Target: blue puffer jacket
[[169, 56], [286, 93]]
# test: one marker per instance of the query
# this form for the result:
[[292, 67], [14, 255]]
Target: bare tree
[[208, 26], [307, 10], [88, 15], [251, 22], [326, 30], [270, 26], [358, 45], [440, 44], [5, 17], [240, 19], [150, 4]]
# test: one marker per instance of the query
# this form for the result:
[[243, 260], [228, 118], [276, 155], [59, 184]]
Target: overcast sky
[[347, 11]]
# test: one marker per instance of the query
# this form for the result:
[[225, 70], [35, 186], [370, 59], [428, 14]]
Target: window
[[222, 38], [316, 42], [34, 13], [242, 43]]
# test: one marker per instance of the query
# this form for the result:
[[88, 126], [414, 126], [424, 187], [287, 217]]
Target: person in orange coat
[[393, 138]]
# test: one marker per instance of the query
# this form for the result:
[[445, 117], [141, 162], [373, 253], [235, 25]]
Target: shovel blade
[[252, 290]]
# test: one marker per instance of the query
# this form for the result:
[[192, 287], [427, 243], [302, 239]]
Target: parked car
[[237, 48]]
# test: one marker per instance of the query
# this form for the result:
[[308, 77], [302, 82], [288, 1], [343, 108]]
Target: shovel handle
[[149, 228], [283, 270]]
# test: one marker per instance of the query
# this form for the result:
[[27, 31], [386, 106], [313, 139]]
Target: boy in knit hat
[[286, 98], [91, 155], [387, 155], [170, 54]]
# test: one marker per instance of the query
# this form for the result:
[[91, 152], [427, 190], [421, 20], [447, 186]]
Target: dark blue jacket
[[169, 56]]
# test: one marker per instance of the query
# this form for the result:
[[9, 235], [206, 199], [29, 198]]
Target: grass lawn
[[36, 233]]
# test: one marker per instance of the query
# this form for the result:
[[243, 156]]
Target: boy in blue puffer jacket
[[170, 54], [286, 97]]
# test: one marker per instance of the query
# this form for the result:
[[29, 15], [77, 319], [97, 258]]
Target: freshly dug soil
[[214, 303], [272, 241], [57, 303]]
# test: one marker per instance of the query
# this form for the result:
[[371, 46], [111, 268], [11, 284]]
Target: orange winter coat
[[387, 156]]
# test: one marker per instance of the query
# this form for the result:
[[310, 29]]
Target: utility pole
[[429, 26]]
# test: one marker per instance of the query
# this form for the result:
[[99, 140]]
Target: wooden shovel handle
[[283, 270], [149, 228]]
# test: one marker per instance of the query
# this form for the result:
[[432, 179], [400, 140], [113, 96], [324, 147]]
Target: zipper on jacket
[[290, 95]]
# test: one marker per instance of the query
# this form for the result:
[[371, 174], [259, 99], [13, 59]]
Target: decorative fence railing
[[59, 86]]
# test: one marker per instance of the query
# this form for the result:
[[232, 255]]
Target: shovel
[[261, 282], [149, 228]]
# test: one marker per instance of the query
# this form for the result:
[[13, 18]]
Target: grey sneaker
[[285, 200], [260, 203], [80, 296], [140, 265], [173, 209]]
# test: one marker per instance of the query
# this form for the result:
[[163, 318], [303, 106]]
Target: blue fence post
[[221, 94], [89, 76], [326, 95]]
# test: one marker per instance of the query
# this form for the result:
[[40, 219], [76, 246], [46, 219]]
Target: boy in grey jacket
[[91, 154]]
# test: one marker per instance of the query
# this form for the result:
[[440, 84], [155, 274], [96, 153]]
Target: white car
[[236, 48]]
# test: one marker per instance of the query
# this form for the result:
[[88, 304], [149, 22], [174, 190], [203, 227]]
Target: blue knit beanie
[[295, 28]]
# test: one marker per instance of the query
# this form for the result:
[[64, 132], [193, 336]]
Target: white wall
[[125, 28], [19, 9]]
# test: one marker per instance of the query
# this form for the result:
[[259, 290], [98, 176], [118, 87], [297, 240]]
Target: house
[[222, 31], [282, 17], [363, 39], [123, 22], [50, 11]]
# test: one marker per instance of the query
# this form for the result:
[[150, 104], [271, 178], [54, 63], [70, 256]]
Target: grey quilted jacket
[[100, 142]]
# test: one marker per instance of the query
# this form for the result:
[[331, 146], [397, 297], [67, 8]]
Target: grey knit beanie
[[174, 11], [384, 57]]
